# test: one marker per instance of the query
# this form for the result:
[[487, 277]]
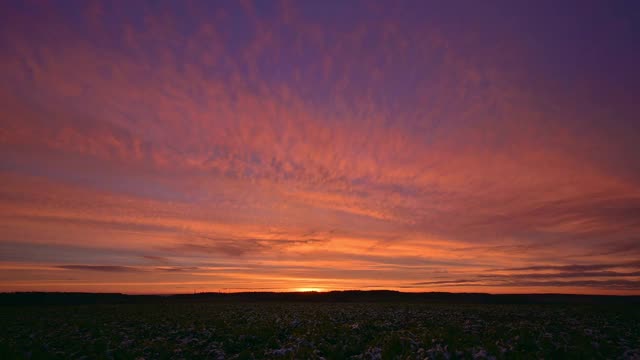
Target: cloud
[[177, 268], [446, 282], [581, 268], [103, 268], [225, 247], [561, 276], [581, 274], [156, 259]]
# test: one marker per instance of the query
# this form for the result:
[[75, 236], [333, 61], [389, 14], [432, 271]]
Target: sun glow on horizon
[[309, 289]]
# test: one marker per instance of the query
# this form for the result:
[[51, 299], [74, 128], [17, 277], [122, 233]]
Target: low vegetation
[[319, 331]]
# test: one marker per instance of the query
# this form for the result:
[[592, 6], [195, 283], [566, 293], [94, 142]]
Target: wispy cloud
[[104, 268], [581, 268]]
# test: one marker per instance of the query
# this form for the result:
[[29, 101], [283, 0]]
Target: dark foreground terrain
[[174, 328]]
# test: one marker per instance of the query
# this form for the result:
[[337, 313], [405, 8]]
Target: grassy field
[[319, 330]]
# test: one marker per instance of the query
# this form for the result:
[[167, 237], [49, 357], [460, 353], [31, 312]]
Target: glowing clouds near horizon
[[163, 148]]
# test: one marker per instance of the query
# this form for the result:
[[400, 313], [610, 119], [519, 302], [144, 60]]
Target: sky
[[181, 146]]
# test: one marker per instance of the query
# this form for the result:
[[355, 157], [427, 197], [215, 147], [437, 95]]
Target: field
[[319, 330]]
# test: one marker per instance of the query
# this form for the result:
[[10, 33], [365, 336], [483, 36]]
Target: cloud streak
[[104, 268]]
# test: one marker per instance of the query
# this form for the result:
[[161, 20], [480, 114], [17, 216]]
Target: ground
[[319, 330]]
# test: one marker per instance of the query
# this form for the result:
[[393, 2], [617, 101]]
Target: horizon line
[[314, 292]]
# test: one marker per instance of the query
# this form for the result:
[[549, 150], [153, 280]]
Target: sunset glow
[[307, 289], [173, 147]]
